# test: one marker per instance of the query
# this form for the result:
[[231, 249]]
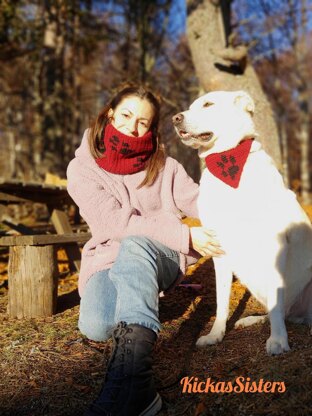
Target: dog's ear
[[244, 101]]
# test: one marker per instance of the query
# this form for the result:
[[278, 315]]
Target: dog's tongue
[[228, 165]]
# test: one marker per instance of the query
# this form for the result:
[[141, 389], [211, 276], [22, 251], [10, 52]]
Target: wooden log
[[44, 239], [33, 279]]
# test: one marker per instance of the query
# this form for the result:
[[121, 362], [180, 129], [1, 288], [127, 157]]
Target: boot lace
[[115, 375]]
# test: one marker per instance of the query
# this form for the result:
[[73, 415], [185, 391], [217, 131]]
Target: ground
[[49, 369]]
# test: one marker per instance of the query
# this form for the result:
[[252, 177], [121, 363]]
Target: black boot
[[129, 388]]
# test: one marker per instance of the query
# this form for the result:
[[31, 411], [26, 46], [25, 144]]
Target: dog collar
[[228, 165]]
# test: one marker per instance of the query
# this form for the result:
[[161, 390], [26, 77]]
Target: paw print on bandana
[[228, 166]]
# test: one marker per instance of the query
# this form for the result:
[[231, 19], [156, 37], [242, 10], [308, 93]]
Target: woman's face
[[132, 116]]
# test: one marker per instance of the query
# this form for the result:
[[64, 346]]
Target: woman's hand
[[204, 242]]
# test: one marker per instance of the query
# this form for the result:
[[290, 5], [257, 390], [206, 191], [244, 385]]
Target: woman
[[131, 195]]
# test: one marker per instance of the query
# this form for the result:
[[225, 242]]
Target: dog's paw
[[209, 339], [277, 345], [250, 320]]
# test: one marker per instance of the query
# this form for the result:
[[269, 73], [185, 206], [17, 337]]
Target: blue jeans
[[129, 291]]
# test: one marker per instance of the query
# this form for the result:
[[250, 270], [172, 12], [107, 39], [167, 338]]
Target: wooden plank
[[46, 239], [40, 197], [14, 183], [62, 225], [21, 228], [60, 221], [16, 192], [6, 198]]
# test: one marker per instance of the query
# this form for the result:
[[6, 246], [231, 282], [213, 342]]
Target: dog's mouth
[[188, 136]]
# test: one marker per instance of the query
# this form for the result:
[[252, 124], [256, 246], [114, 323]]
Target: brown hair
[[157, 160]]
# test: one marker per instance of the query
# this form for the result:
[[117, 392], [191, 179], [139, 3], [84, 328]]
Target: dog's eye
[[207, 104]]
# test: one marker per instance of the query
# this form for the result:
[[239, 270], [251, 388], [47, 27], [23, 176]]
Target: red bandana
[[228, 165], [125, 154]]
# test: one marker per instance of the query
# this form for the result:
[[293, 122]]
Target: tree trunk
[[301, 50], [221, 68], [284, 150], [7, 155], [304, 165]]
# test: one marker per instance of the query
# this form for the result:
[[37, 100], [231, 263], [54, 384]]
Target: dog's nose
[[178, 118]]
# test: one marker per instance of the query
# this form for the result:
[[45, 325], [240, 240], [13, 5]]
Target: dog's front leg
[[275, 277], [223, 286], [278, 341]]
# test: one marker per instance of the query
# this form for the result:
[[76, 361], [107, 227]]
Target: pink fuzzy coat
[[114, 208]]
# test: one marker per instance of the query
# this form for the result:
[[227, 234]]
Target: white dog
[[263, 230]]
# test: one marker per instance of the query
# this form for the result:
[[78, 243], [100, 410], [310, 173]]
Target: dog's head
[[217, 121]]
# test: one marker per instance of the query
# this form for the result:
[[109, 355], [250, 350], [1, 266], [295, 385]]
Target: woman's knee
[[95, 329], [97, 307]]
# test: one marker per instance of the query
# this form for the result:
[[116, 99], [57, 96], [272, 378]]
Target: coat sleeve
[[185, 191], [108, 220]]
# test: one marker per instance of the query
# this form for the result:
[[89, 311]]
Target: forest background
[[61, 60]]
